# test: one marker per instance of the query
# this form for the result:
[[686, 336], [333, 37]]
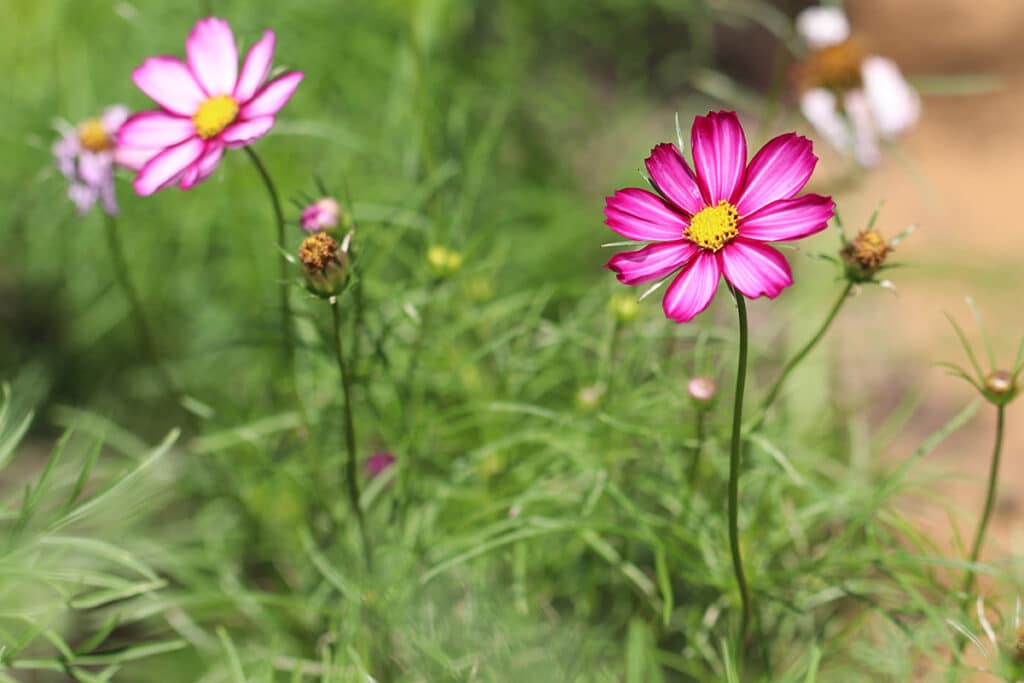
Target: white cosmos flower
[[881, 104]]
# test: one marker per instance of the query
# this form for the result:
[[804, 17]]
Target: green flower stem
[[770, 397], [351, 469], [285, 301], [142, 328], [990, 499], [734, 469], [700, 428]]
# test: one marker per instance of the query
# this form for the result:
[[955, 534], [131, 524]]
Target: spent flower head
[[852, 98], [715, 221], [85, 156], [207, 105], [325, 263], [998, 385]]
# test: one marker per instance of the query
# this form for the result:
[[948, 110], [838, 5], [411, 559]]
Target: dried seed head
[[865, 254], [324, 263], [835, 67]]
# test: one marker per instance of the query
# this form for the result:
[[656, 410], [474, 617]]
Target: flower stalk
[[797, 358], [352, 467], [283, 279], [142, 327], [734, 469], [990, 499]]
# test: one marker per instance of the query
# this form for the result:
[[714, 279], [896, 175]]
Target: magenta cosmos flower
[[716, 221], [85, 156], [207, 105]]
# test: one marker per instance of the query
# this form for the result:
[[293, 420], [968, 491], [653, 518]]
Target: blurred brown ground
[[958, 177]]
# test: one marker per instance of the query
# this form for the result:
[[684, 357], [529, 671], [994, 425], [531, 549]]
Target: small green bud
[[1000, 387], [624, 307]]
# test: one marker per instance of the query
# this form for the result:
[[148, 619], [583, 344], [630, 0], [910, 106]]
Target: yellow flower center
[[836, 67], [93, 136], [714, 226], [214, 115]]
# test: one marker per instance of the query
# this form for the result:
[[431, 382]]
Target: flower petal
[[170, 83], [719, 155], [256, 67], [895, 105], [113, 118], [168, 166], [202, 169], [213, 56], [822, 26], [674, 179], [755, 269], [653, 262], [778, 171], [244, 132], [154, 129], [865, 143], [271, 97], [819, 106], [641, 215], [693, 289], [789, 219], [134, 159]]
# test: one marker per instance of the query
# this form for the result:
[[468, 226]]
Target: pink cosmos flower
[[321, 215], [85, 155], [207, 105], [378, 463], [716, 221]]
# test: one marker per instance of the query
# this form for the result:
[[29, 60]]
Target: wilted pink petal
[[321, 215]]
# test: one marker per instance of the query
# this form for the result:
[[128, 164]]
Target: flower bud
[[325, 264], [378, 463], [702, 391], [624, 307], [864, 255], [589, 398], [1000, 387], [322, 215], [444, 262]]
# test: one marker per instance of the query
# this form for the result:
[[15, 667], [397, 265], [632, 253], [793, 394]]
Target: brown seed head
[[836, 67], [318, 252], [865, 254]]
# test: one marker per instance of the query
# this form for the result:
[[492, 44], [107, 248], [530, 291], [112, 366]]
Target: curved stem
[[990, 499], [142, 328], [285, 302], [351, 469], [734, 469], [770, 397]]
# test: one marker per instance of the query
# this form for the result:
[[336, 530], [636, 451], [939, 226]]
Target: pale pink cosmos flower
[[85, 156], [321, 215], [853, 99], [206, 105], [716, 221]]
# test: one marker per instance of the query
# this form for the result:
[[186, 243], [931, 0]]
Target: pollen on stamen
[[713, 226], [214, 115], [94, 137]]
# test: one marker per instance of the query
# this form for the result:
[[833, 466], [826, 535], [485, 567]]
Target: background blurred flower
[[850, 97], [714, 222], [378, 463], [85, 156], [206, 106], [321, 215]]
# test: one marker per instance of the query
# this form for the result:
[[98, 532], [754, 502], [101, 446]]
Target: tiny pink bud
[[378, 463], [702, 390]]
